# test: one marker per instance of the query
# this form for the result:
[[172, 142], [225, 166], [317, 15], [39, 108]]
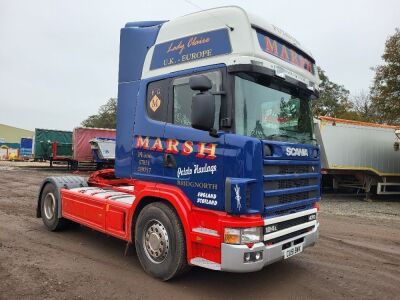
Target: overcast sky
[[59, 58]]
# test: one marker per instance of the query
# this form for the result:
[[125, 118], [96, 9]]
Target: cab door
[[193, 159], [149, 126]]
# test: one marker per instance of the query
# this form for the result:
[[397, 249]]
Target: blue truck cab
[[260, 156], [262, 150]]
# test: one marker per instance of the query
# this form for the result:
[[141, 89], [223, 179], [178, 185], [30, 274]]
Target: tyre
[[160, 242], [49, 209]]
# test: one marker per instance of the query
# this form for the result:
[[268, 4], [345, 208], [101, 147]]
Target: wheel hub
[[156, 241], [49, 206]]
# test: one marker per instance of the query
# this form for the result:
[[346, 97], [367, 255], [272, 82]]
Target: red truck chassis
[[112, 206]]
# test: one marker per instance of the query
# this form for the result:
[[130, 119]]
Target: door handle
[[169, 161]]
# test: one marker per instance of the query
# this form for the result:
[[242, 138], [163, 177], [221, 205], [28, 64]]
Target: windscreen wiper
[[309, 139], [281, 135]]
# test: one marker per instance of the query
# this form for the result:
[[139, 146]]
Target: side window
[[182, 99], [157, 100]]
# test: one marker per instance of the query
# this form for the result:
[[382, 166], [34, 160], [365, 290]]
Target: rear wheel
[[160, 242], [49, 209]]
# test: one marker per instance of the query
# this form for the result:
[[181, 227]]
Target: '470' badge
[[155, 103]]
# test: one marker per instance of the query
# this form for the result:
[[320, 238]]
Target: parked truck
[[216, 163], [369, 162]]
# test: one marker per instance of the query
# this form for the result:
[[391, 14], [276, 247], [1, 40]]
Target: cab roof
[[242, 28]]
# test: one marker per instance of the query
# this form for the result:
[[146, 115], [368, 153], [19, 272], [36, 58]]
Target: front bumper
[[232, 255]]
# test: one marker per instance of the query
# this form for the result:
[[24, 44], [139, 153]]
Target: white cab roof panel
[[244, 42]]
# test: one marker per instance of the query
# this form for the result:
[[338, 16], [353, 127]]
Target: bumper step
[[205, 263]]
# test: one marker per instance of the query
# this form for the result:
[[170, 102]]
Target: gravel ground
[[387, 208], [10, 165], [357, 256]]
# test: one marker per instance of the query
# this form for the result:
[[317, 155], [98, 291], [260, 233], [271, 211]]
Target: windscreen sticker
[[155, 101], [275, 117], [269, 117], [191, 48]]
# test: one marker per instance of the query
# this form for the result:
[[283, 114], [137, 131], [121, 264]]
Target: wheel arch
[[176, 200], [59, 182]]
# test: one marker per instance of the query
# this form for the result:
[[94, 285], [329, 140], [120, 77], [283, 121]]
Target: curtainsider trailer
[[88, 145], [52, 145], [216, 163]]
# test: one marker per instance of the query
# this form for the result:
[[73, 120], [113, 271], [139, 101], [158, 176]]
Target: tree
[[333, 99], [385, 92], [362, 105], [105, 118]]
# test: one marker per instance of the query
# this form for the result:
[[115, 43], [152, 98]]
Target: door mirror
[[200, 83], [203, 103]]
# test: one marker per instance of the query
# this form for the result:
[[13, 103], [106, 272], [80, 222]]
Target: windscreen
[[265, 110]]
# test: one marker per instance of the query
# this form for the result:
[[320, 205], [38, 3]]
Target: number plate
[[289, 252]]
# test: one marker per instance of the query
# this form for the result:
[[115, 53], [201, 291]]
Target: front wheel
[[49, 209], [160, 242]]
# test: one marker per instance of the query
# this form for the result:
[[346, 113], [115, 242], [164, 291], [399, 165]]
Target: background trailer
[[93, 147], [359, 155], [25, 151], [52, 145]]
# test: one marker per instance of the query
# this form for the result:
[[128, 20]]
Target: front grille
[[290, 183], [282, 212], [293, 197], [278, 183], [287, 184], [288, 236], [290, 223], [293, 169], [287, 198]]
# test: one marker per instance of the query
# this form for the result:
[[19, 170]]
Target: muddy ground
[[357, 256]]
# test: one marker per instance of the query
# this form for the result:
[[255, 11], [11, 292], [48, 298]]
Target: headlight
[[240, 236]]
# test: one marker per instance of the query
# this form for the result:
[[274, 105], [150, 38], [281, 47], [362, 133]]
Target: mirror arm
[[226, 122], [213, 132], [222, 93]]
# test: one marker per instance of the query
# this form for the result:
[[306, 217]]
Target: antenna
[[200, 8]]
